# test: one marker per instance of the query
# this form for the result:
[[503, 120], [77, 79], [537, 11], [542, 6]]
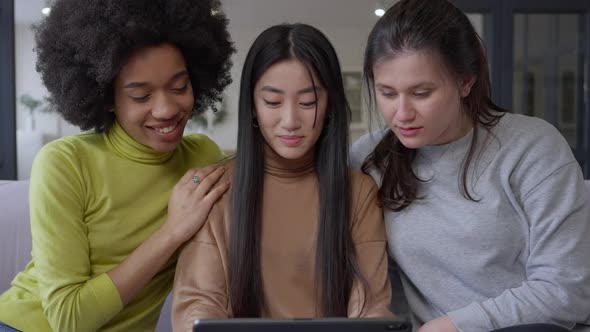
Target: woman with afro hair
[[111, 206]]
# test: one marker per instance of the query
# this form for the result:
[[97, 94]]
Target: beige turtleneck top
[[290, 216]]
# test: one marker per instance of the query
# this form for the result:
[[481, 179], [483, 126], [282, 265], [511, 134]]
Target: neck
[[127, 147], [275, 164]]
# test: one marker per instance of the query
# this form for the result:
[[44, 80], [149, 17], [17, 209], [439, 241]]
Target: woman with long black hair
[[300, 235]]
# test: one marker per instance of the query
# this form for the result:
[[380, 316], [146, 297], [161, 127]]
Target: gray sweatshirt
[[521, 254]]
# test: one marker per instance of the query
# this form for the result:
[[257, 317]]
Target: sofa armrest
[[15, 230]]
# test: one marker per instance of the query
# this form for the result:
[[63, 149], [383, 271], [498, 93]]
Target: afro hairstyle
[[83, 44]]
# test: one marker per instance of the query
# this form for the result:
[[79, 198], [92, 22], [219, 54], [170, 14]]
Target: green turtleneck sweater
[[94, 199]]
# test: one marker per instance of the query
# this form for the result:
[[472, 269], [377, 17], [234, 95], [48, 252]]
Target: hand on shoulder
[[192, 199]]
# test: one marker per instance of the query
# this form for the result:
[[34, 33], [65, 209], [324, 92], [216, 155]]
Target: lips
[[409, 131], [165, 130], [168, 130], [291, 140]]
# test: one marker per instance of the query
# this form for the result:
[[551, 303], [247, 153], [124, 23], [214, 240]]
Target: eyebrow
[[381, 85], [419, 85], [302, 91], [176, 76]]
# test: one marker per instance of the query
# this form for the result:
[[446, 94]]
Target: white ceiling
[[320, 13], [256, 13], [28, 11]]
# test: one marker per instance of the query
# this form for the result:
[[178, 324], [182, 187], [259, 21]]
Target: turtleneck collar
[[278, 166], [128, 148]]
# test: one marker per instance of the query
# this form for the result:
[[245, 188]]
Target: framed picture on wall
[[353, 88], [353, 84]]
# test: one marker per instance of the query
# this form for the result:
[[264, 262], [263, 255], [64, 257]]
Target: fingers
[[216, 193], [208, 182], [201, 172]]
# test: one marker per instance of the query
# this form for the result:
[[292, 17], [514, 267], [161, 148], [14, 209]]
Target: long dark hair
[[336, 262], [439, 27]]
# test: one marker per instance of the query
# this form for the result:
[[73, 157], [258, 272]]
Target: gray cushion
[[15, 239], [15, 230]]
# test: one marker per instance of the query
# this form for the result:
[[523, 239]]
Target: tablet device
[[301, 325]]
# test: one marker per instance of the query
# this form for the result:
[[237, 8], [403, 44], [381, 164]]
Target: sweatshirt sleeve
[[557, 288], [72, 299], [371, 250], [200, 287]]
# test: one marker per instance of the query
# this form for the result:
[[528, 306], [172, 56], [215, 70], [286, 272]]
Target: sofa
[[15, 240]]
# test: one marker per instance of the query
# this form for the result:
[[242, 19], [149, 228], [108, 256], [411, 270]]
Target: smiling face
[[154, 97], [286, 107], [420, 100]]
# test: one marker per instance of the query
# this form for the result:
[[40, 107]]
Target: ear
[[466, 84]]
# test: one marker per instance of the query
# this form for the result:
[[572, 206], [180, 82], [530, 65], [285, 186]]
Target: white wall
[[349, 43], [48, 126], [29, 81], [346, 24]]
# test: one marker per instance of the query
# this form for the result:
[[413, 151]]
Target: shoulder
[[523, 133], [364, 146], [361, 149], [363, 191], [202, 147], [219, 217], [61, 167], [199, 142], [531, 149], [216, 227], [229, 164], [70, 149], [367, 215], [361, 183]]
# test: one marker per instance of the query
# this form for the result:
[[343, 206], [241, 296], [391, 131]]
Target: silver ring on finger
[[196, 179]]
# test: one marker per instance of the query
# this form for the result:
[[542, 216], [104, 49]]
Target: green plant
[[32, 103], [210, 118], [202, 119]]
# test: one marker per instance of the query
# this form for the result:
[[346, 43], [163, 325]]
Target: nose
[[164, 107], [290, 117], [405, 111]]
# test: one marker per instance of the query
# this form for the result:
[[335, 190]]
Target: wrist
[[169, 235]]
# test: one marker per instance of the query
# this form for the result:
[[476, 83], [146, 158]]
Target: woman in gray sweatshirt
[[486, 212]]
